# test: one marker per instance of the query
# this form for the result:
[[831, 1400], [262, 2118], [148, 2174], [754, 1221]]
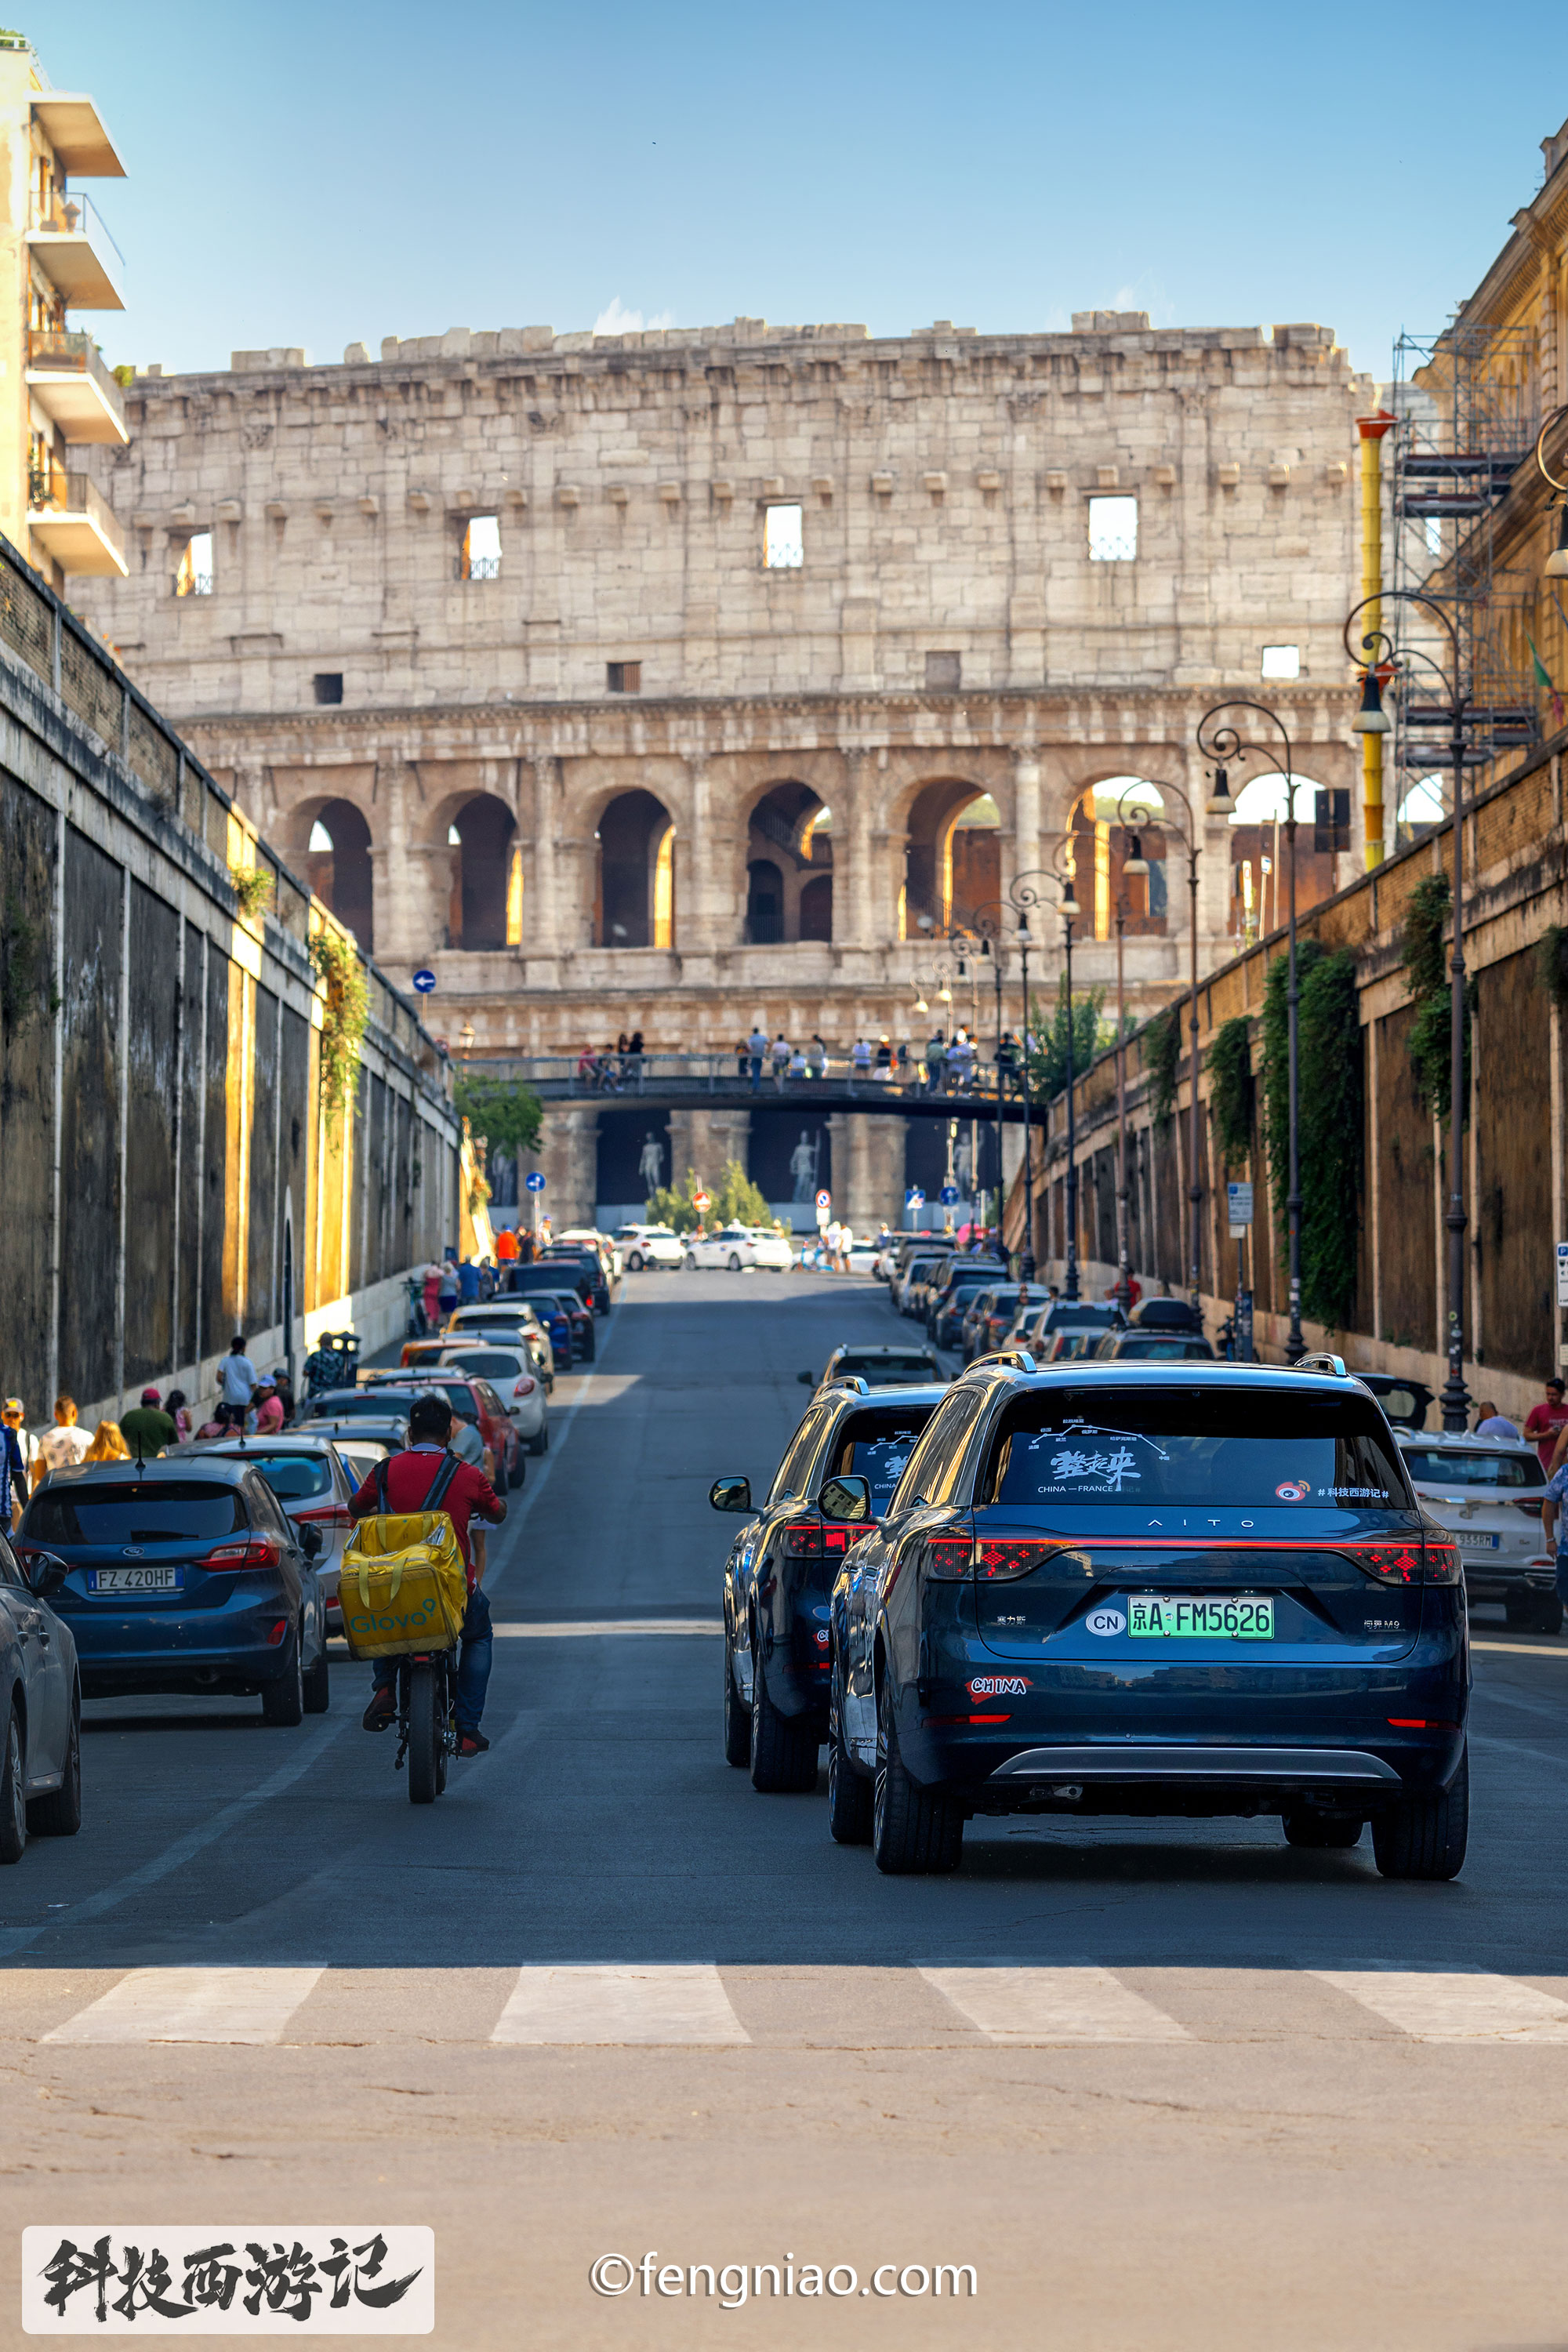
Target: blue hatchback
[[185, 1575], [1145, 1589]]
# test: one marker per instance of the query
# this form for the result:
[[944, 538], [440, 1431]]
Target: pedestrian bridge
[[714, 1082]]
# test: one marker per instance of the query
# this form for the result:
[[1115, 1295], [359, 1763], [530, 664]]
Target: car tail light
[[1418, 1723], [947, 1557], [236, 1558], [325, 1515], [1000, 1558], [1442, 1562], [524, 1387], [1406, 1561], [802, 1539]]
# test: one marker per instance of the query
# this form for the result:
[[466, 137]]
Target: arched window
[[764, 903], [485, 909], [635, 904], [789, 862], [338, 869], [946, 876], [1103, 822]]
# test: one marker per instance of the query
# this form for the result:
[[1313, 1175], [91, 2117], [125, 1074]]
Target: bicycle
[[426, 1721]]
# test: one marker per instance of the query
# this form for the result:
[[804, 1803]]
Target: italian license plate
[[1198, 1618], [133, 1579], [1479, 1543]]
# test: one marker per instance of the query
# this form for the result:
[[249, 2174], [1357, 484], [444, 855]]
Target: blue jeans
[[756, 1074], [1562, 1575], [474, 1661]]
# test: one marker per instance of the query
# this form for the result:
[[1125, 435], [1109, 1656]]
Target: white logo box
[[68, 2270]]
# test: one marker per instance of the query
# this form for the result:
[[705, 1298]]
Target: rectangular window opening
[[480, 556], [195, 576], [784, 549], [1281, 661], [624, 677], [1112, 531], [328, 684], [944, 673]]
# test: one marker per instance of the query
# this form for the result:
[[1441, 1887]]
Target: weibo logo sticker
[[1293, 1490]]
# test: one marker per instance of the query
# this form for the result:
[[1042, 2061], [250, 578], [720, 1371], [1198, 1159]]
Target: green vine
[[1425, 955], [1161, 1057], [1232, 1094], [509, 1116], [1330, 1124], [347, 1008], [253, 888], [23, 954], [1551, 962]]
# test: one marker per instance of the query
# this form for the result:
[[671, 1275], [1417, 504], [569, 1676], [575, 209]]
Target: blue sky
[[331, 174]]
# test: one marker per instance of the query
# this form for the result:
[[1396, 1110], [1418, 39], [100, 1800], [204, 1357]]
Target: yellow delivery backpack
[[402, 1586]]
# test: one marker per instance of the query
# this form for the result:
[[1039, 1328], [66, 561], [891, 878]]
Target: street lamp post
[[1225, 745], [1139, 864], [1123, 1252], [1377, 648], [1069, 909]]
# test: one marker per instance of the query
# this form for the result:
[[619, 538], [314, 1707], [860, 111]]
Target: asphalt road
[[1161, 2085]]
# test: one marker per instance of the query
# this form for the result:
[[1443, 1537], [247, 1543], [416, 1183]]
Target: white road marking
[[535, 1485], [612, 1625], [1521, 1649], [1045, 2005], [588, 2003], [193, 2005], [1432, 2006]]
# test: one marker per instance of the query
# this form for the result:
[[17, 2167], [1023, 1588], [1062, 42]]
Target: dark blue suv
[[1141, 1589]]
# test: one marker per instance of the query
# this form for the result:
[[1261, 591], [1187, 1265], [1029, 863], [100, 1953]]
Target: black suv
[[783, 1564], [1153, 1588]]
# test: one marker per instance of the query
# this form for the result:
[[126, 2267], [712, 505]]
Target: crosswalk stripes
[[1431, 2006], [193, 2005], [591, 2004], [1053, 2005]]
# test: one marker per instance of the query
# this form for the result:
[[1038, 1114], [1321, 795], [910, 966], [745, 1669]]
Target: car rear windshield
[[459, 1396], [874, 1445], [1174, 1350], [1198, 1446], [1079, 1317], [1437, 1467], [162, 1511], [293, 1477], [888, 1370], [366, 1405], [490, 1364]]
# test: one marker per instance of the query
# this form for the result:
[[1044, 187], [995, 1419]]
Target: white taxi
[[642, 1245], [739, 1246], [1487, 1493]]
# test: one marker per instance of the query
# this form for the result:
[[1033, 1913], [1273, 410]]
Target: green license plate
[[1182, 1615]]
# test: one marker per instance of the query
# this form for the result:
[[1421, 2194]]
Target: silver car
[[312, 1481], [1486, 1492], [40, 1704]]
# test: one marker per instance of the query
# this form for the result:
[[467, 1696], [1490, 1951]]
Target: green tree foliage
[[736, 1201], [1048, 1060], [1161, 1059], [1232, 1095], [1551, 961], [1424, 951], [1330, 1118], [508, 1114]]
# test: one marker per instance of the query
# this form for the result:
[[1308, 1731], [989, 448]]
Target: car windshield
[[491, 1364], [876, 1445], [1243, 1447], [293, 1477], [1433, 1465], [162, 1511]]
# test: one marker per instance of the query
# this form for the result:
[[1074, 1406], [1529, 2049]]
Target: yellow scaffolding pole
[[1372, 430]]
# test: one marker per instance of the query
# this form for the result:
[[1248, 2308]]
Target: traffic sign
[[1238, 1201], [1562, 1273], [425, 981], [534, 1180], [948, 1195], [703, 1203], [914, 1197], [825, 1200]]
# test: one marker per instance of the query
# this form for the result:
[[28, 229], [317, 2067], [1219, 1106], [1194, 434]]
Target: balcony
[[67, 380], [81, 261], [74, 524]]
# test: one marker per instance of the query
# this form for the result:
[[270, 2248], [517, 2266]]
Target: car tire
[[283, 1700], [1546, 1614], [13, 1792], [58, 1813], [633, 1263], [318, 1685], [1424, 1837], [1519, 1611], [849, 1793], [912, 1833], [501, 1481], [540, 1444], [737, 1716], [784, 1750], [1304, 1827], [735, 1262]]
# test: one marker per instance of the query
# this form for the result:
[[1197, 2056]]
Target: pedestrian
[[469, 1282], [831, 1237], [147, 1429], [108, 1444], [780, 1051], [756, 1047], [268, 1410], [1543, 1422], [447, 1297], [21, 1453], [236, 1374], [818, 1058], [1555, 1526], [285, 1388], [61, 1447], [179, 1413], [633, 1057], [860, 1059], [506, 1246], [846, 1243], [798, 1068], [936, 1060], [216, 1424], [885, 1060], [1489, 1423]]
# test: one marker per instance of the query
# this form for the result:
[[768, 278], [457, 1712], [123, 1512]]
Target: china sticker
[[231, 2280]]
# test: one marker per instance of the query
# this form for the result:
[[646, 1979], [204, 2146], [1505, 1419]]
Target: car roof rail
[[1333, 1365], [851, 1381], [1017, 1359]]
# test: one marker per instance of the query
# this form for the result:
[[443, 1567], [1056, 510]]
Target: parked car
[[774, 1252], [736, 1246], [509, 1372], [538, 1321], [574, 1310], [889, 1255], [1026, 1634], [546, 1274], [880, 1368], [606, 1244], [473, 1399], [1155, 1347], [989, 1317], [1487, 1492], [781, 1566], [313, 1479], [379, 1404], [948, 1299], [1089, 1314], [906, 1288], [40, 1703], [564, 1257], [186, 1576], [651, 1245]]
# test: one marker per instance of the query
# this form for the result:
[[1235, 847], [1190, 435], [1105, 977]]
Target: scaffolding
[[1466, 407]]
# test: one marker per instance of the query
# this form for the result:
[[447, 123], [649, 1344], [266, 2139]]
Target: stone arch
[[927, 902], [634, 892], [329, 841], [484, 908], [788, 829], [1100, 825]]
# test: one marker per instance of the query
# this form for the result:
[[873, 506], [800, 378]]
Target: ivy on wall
[[1161, 1057], [1424, 951], [1232, 1092], [1277, 1068], [1551, 962], [343, 1019], [252, 885], [1331, 1126]]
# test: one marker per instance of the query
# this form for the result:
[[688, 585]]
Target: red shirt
[[411, 1476], [506, 1246], [1543, 1422]]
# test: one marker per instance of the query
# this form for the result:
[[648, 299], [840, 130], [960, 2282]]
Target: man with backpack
[[429, 1477]]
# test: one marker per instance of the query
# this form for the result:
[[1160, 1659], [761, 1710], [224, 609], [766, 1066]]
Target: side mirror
[[312, 1543], [806, 1380], [45, 1572], [846, 1499], [731, 1494]]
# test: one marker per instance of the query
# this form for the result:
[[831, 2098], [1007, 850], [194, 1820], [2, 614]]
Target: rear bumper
[[1176, 1777], [211, 1649]]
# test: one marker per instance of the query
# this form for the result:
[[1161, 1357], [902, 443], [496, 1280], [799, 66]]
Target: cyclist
[[409, 1478]]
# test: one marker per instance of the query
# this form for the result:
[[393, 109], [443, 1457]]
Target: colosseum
[[688, 681]]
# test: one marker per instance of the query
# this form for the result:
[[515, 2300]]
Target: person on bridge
[[780, 1051], [936, 1060], [409, 1477], [756, 1047]]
